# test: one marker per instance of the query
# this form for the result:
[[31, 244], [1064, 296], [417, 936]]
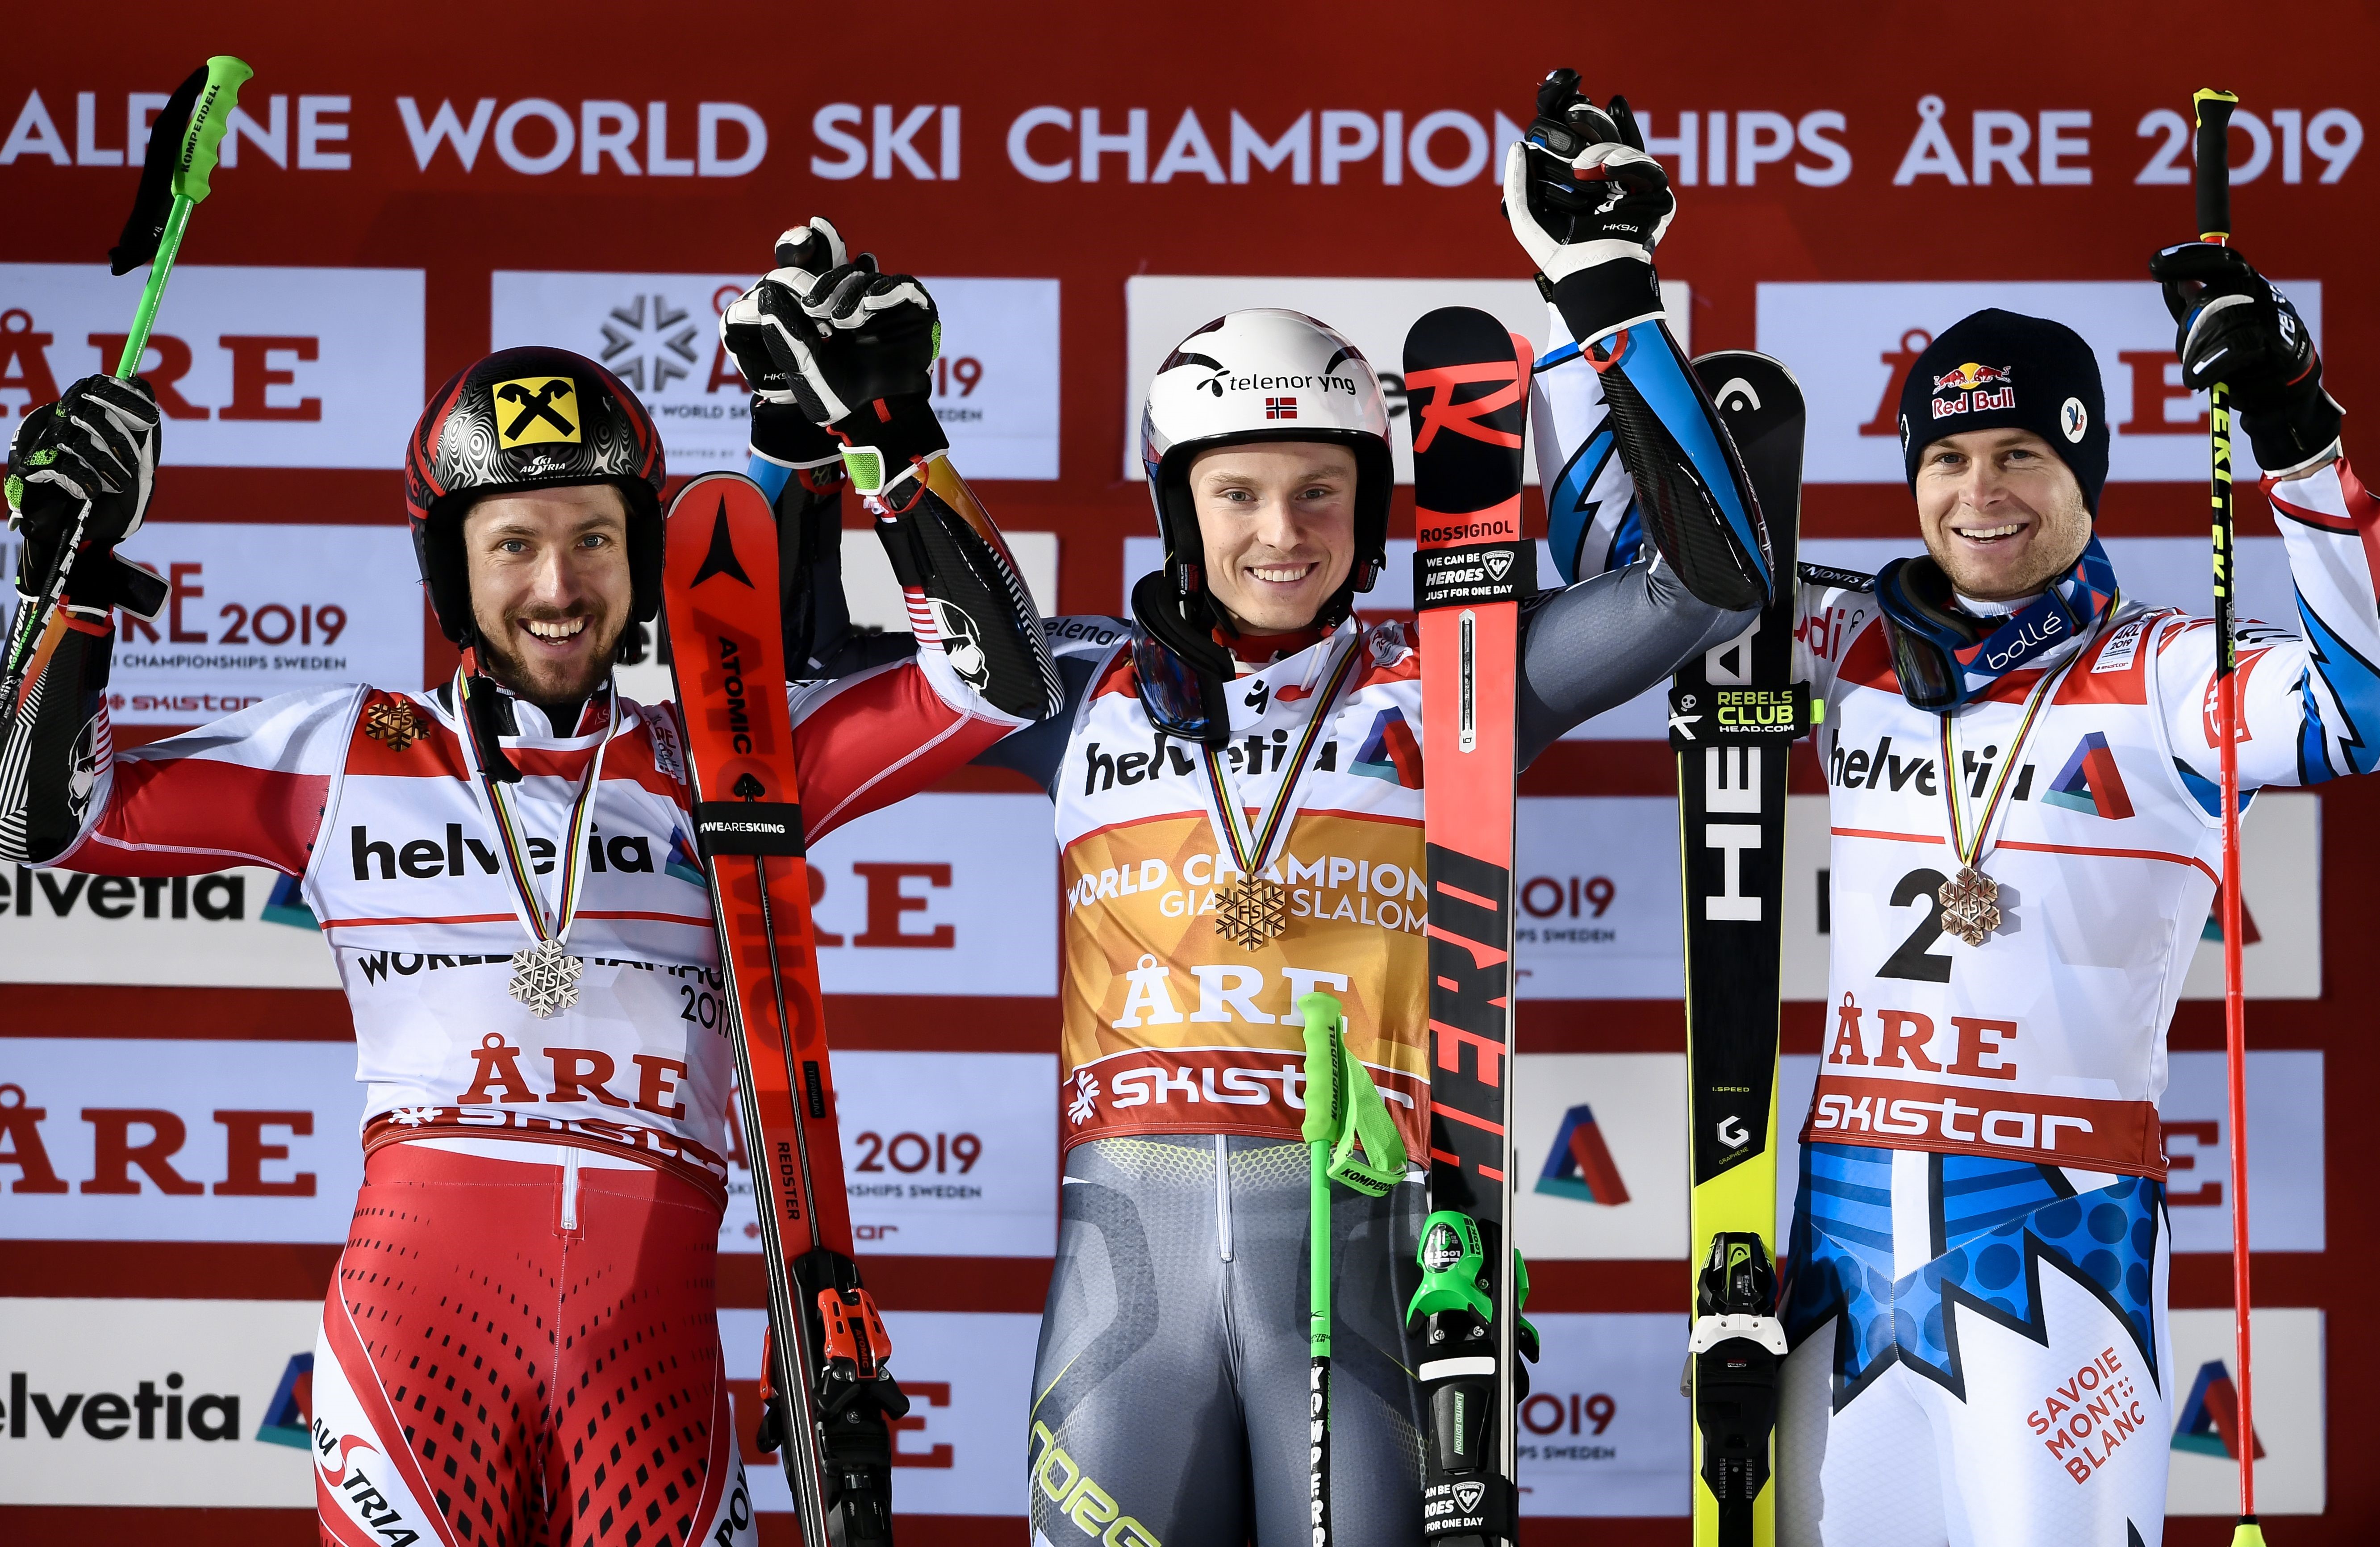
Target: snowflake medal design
[[393, 723], [1253, 913], [1970, 905], [545, 978]]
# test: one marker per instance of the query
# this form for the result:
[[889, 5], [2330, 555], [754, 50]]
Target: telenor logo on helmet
[[537, 410], [1223, 381]]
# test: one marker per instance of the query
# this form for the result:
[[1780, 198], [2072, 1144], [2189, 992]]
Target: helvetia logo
[[147, 1414], [2210, 1419]]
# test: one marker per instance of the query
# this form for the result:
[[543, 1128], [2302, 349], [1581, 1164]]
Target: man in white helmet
[[1244, 724]]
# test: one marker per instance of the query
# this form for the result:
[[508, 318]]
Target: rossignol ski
[[827, 1344], [1466, 380], [1734, 713]]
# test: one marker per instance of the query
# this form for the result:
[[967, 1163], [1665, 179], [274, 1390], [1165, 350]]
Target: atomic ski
[[828, 1345], [1734, 713], [1466, 380]]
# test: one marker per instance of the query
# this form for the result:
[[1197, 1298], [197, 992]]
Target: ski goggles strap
[[1343, 1108], [1943, 657]]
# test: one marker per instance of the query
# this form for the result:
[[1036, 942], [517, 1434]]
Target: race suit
[[1169, 1396], [520, 1344], [1979, 1251]]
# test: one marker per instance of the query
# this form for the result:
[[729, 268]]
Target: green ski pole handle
[[1325, 1077], [194, 164]]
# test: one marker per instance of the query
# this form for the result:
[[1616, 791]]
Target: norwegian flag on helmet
[[1281, 408]]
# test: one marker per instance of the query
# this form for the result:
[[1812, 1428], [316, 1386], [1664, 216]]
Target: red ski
[[1467, 384], [828, 1345]]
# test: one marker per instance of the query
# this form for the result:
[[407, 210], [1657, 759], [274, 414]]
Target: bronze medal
[[1252, 912], [1970, 905]]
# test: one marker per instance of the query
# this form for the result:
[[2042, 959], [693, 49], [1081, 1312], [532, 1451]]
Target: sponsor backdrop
[[176, 1111]]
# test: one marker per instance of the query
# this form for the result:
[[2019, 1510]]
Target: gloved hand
[[851, 346], [1588, 206], [1580, 190], [96, 446], [2237, 328]]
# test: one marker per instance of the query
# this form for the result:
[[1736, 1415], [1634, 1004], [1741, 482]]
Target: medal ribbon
[[1252, 850], [1970, 847], [519, 867]]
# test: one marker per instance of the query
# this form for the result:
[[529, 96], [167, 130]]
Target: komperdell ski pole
[[1350, 1138], [173, 176], [1734, 713], [827, 1346], [2214, 190], [1467, 384]]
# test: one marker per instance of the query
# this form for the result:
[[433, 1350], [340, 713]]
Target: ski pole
[[179, 159], [2214, 190], [1323, 1050]]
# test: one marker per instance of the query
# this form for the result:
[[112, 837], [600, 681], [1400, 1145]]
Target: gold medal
[[1970, 905], [1252, 912]]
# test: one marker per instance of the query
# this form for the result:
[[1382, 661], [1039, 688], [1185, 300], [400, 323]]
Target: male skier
[[2022, 769], [1238, 773], [520, 1344]]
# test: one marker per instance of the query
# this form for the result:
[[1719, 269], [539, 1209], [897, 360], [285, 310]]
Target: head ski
[[1467, 384], [828, 1345], [1733, 715]]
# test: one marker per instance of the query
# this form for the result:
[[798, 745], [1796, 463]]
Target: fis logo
[[1579, 1166]]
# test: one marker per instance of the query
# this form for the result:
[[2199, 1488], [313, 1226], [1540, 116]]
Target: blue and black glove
[[2236, 327]]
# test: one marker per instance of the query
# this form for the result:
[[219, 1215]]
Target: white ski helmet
[[1265, 374]]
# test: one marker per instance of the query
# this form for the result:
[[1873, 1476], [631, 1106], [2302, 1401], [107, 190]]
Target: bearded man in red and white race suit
[[520, 1345], [2023, 771]]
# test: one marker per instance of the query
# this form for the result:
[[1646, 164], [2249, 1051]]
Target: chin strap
[[1944, 656]]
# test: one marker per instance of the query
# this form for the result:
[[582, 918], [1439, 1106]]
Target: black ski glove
[[95, 447], [1588, 206], [853, 346], [2236, 327]]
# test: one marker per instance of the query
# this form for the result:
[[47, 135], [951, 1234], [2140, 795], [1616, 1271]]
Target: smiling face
[[551, 590], [2000, 512], [1278, 520]]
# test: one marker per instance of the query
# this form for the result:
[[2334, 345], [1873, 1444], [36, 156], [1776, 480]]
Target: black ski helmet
[[526, 418]]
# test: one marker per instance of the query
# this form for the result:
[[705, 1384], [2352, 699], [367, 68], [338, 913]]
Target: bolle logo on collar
[[2005, 648]]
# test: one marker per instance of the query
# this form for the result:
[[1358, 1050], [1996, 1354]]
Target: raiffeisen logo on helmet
[[535, 410], [1223, 381]]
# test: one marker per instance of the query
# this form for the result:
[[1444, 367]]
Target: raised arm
[[837, 355], [1651, 519]]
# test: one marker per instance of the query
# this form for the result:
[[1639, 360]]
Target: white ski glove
[[1580, 189]]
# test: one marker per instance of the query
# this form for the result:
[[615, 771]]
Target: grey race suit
[[1169, 1395]]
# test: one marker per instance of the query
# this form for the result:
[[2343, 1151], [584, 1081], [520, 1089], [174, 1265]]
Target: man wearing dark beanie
[[2022, 773]]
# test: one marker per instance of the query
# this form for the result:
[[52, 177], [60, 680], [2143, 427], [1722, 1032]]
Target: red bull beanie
[[1998, 370]]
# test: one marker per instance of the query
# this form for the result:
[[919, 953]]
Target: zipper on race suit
[[569, 1187], [1223, 1197]]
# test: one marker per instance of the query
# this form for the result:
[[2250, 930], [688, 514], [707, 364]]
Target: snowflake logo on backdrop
[[649, 336], [1085, 1104]]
